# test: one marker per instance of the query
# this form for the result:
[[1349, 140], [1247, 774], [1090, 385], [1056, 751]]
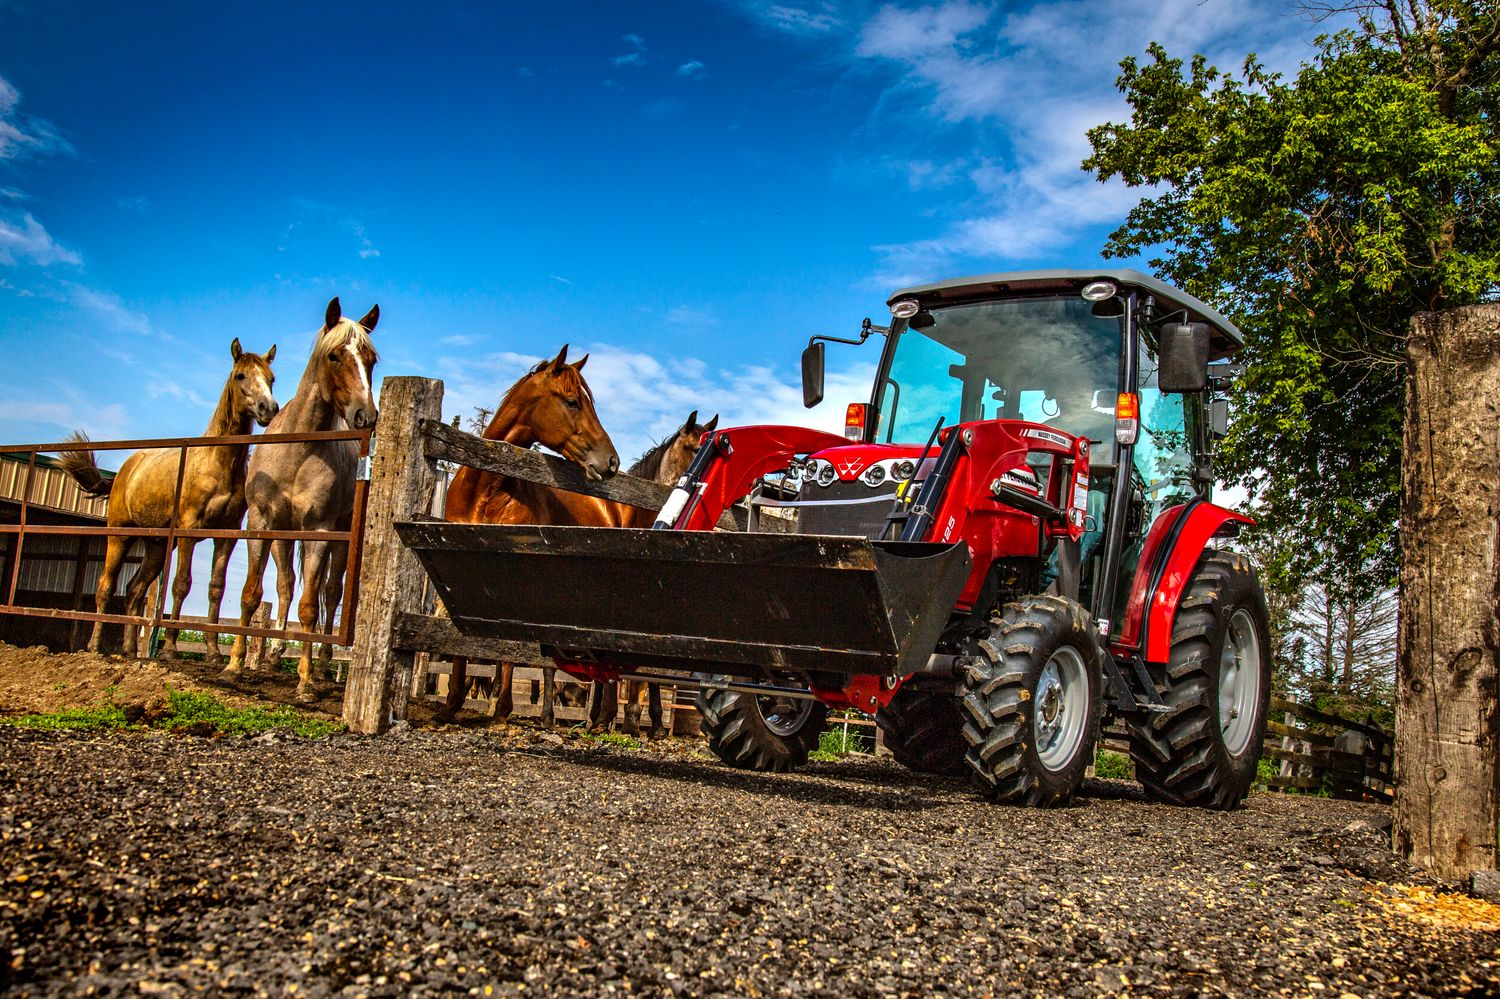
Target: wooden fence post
[[390, 578]]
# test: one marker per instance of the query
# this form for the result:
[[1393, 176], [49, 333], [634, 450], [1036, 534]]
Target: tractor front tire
[[760, 732], [1204, 750], [1032, 699], [924, 730]]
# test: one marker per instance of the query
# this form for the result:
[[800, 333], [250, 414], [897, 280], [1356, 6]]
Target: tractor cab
[[1078, 352]]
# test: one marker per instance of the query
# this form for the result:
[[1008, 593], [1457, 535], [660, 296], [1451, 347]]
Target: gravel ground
[[518, 862]]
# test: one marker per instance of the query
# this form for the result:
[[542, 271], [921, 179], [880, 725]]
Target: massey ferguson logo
[[851, 467]]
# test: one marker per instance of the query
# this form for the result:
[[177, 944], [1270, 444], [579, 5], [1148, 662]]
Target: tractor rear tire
[[1032, 701], [760, 732], [924, 730], [1205, 749]]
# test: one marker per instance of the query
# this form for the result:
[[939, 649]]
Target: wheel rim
[[1062, 707], [1239, 682], [784, 716]]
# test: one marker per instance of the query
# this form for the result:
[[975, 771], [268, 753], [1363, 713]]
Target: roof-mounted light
[[906, 308], [1098, 291]]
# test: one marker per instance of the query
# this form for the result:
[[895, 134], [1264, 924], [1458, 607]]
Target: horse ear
[[708, 427], [687, 425], [331, 317], [371, 318], [578, 365], [271, 354], [235, 350], [560, 359]]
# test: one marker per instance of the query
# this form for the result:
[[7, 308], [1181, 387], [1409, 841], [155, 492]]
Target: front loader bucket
[[709, 601]]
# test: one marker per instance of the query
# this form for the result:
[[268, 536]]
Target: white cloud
[[691, 69], [560, 279], [108, 309], [641, 397], [102, 422], [24, 239], [635, 57], [314, 216], [811, 19], [691, 315], [461, 340], [21, 135]]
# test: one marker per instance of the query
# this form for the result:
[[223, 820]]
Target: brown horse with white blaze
[[213, 498], [309, 486], [551, 405]]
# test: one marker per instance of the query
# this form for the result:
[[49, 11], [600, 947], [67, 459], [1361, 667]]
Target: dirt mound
[[36, 680]]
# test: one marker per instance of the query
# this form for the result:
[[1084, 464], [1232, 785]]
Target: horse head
[[250, 385], [347, 359], [554, 403], [681, 447]]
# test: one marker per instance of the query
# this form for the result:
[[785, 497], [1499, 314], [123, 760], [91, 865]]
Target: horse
[[213, 498], [553, 406], [664, 464], [309, 486]]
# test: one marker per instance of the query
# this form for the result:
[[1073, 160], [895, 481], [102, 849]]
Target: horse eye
[[572, 403], [240, 377], [333, 358]]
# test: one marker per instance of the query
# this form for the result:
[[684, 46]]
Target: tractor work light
[[854, 421], [905, 309], [1127, 417], [874, 475], [1098, 291]]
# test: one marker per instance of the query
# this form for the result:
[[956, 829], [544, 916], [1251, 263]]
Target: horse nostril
[[614, 463]]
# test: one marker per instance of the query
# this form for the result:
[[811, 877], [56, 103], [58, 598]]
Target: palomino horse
[[213, 498], [551, 405], [310, 486], [665, 463]]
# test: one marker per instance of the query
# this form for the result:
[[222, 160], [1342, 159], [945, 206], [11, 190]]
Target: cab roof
[[990, 286]]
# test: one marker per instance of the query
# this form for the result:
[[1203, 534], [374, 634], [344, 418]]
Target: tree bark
[[1446, 719]]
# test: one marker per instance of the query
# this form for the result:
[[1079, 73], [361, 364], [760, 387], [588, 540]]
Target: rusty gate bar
[[173, 533], [353, 560], [15, 569], [170, 442]]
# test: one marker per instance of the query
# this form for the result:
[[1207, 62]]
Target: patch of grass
[[202, 714], [1113, 766], [186, 708], [617, 739], [1265, 771], [100, 716], [835, 743]]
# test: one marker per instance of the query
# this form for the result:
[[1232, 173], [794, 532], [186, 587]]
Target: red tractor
[[1012, 542]]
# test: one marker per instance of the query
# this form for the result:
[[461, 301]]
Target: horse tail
[[83, 469]]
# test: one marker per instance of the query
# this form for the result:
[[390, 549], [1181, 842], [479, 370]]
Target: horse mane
[[570, 375], [649, 464]]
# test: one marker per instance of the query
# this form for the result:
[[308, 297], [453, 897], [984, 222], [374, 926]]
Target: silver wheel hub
[[1239, 682], [784, 716], [1061, 710]]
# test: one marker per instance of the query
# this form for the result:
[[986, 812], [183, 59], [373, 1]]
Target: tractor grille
[[863, 520]]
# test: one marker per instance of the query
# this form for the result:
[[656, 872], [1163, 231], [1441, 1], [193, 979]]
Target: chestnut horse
[[213, 498], [664, 464], [310, 486], [551, 405]]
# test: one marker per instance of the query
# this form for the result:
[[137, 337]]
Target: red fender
[[1188, 541]]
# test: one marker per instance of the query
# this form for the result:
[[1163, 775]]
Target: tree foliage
[[1321, 213]]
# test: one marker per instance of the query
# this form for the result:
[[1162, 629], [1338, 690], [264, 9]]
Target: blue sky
[[688, 190]]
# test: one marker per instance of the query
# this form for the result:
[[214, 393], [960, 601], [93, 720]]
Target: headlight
[[825, 474], [874, 475], [904, 469]]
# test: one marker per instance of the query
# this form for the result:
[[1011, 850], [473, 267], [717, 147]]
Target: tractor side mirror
[[1218, 417], [812, 374], [1183, 358]]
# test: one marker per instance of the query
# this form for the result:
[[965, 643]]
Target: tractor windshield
[[1047, 360]]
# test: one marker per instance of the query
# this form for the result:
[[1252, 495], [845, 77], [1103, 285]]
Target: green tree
[[1321, 213]]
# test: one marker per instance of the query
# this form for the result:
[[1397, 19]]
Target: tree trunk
[[1446, 719]]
